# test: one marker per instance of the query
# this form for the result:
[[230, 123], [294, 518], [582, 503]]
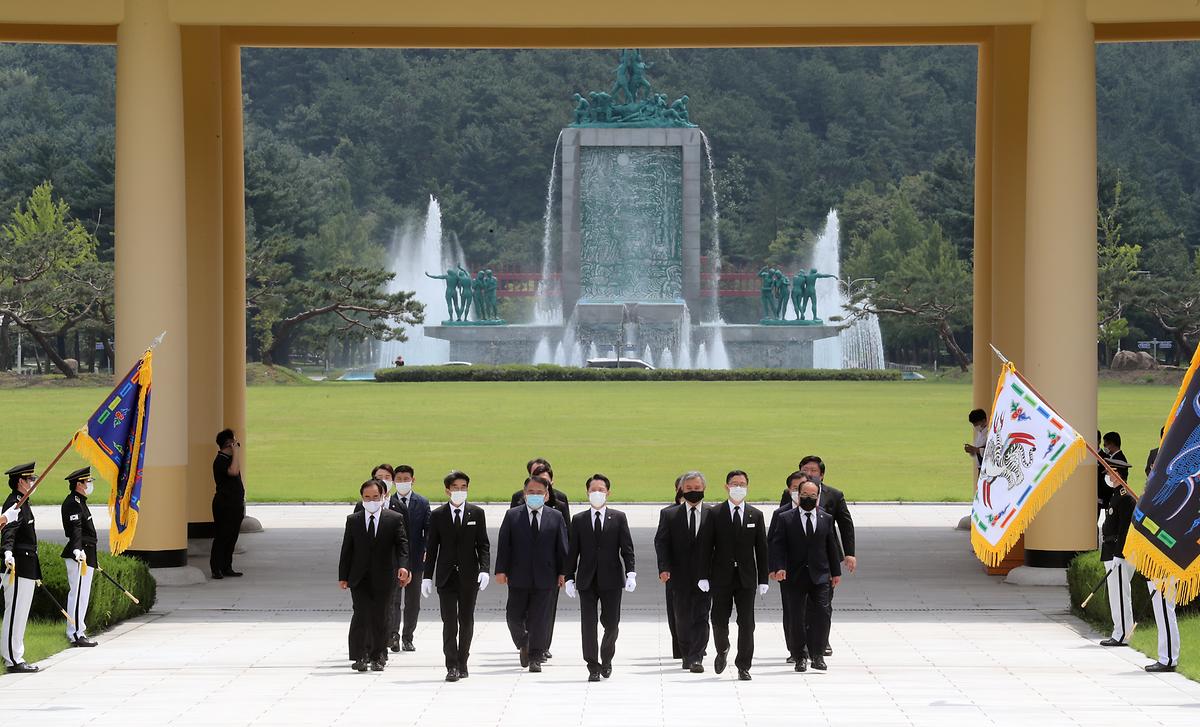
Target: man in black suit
[[792, 495], [675, 544], [599, 565], [676, 653], [406, 606], [733, 568], [804, 557], [457, 559], [1153, 453], [374, 559], [538, 467], [531, 557]]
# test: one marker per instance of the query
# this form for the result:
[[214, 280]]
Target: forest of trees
[[344, 146]]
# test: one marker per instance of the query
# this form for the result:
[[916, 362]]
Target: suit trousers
[[406, 606], [811, 612], [723, 601], [457, 602], [1120, 600], [786, 601], [78, 597], [691, 619], [675, 651], [18, 597], [528, 616], [368, 626], [227, 524], [609, 602]]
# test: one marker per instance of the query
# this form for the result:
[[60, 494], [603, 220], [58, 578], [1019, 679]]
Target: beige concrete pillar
[[982, 301], [1010, 123], [151, 262], [1060, 259], [233, 266], [201, 53]]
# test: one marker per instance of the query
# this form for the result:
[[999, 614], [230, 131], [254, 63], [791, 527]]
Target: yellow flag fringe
[[992, 555], [1158, 569]]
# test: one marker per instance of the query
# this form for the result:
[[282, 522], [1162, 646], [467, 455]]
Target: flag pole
[[1090, 448]]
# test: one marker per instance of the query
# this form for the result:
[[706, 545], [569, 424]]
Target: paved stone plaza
[[920, 636]]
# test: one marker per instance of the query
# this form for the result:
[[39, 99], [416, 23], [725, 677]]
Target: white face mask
[[387, 486], [88, 489], [403, 488], [458, 497], [597, 498], [795, 498], [371, 506], [737, 494]]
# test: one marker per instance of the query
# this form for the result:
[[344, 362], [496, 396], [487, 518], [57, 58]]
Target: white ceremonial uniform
[[79, 597], [1120, 599], [18, 597], [1164, 619]]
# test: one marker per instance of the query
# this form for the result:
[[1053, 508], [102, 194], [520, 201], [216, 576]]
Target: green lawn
[[1145, 640], [881, 440], [44, 638]]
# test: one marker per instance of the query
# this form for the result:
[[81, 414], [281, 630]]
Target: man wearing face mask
[[675, 545], [457, 561], [228, 504], [733, 568], [1118, 515], [805, 559], [406, 607], [22, 570], [793, 483], [600, 565], [79, 554], [373, 560], [531, 558]]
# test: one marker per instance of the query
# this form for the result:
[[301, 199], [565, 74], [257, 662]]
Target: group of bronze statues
[[631, 100], [775, 293], [463, 291]]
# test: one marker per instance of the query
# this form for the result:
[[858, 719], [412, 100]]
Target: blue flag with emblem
[[114, 442]]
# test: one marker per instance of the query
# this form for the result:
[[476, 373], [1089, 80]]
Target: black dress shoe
[[377, 665], [743, 675], [1154, 668], [231, 573], [547, 656], [606, 670], [1113, 642], [463, 673], [217, 576], [791, 660], [696, 668], [720, 662], [802, 665], [83, 641], [359, 665], [23, 668], [394, 644], [408, 646], [686, 665], [452, 675], [535, 667], [819, 664], [524, 657], [593, 676], [828, 651]]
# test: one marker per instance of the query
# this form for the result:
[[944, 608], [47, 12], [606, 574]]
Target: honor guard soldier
[[21, 570], [79, 554], [1118, 514]]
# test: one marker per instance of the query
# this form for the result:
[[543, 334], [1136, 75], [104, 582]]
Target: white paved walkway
[[920, 635]]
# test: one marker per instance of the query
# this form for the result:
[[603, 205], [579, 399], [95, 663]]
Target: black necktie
[[404, 503], [692, 522], [534, 525], [737, 517], [458, 518], [596, 527], [371, 527], [808, 524]]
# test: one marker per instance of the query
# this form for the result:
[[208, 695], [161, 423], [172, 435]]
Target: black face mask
[[808, 503], [694, 496]]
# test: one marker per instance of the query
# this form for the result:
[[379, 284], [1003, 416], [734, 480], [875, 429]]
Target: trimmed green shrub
[[548, 372], [108, 605]]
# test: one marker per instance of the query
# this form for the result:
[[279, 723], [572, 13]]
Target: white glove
[[483, 580], [8, 559], [570, 589], [630, 582], [426, 587], [703, 585], [11, 515], [763, 588], [79, 556]]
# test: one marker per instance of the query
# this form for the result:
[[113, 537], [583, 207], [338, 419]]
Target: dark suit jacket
[[792, 550], [418, 527], [674, 545], [721, 546], [21, 538], [530, 562], [465, 547], [602, 565], [79, 528], [832, 501], [374, 559], [1150, 460], [554, 499]]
